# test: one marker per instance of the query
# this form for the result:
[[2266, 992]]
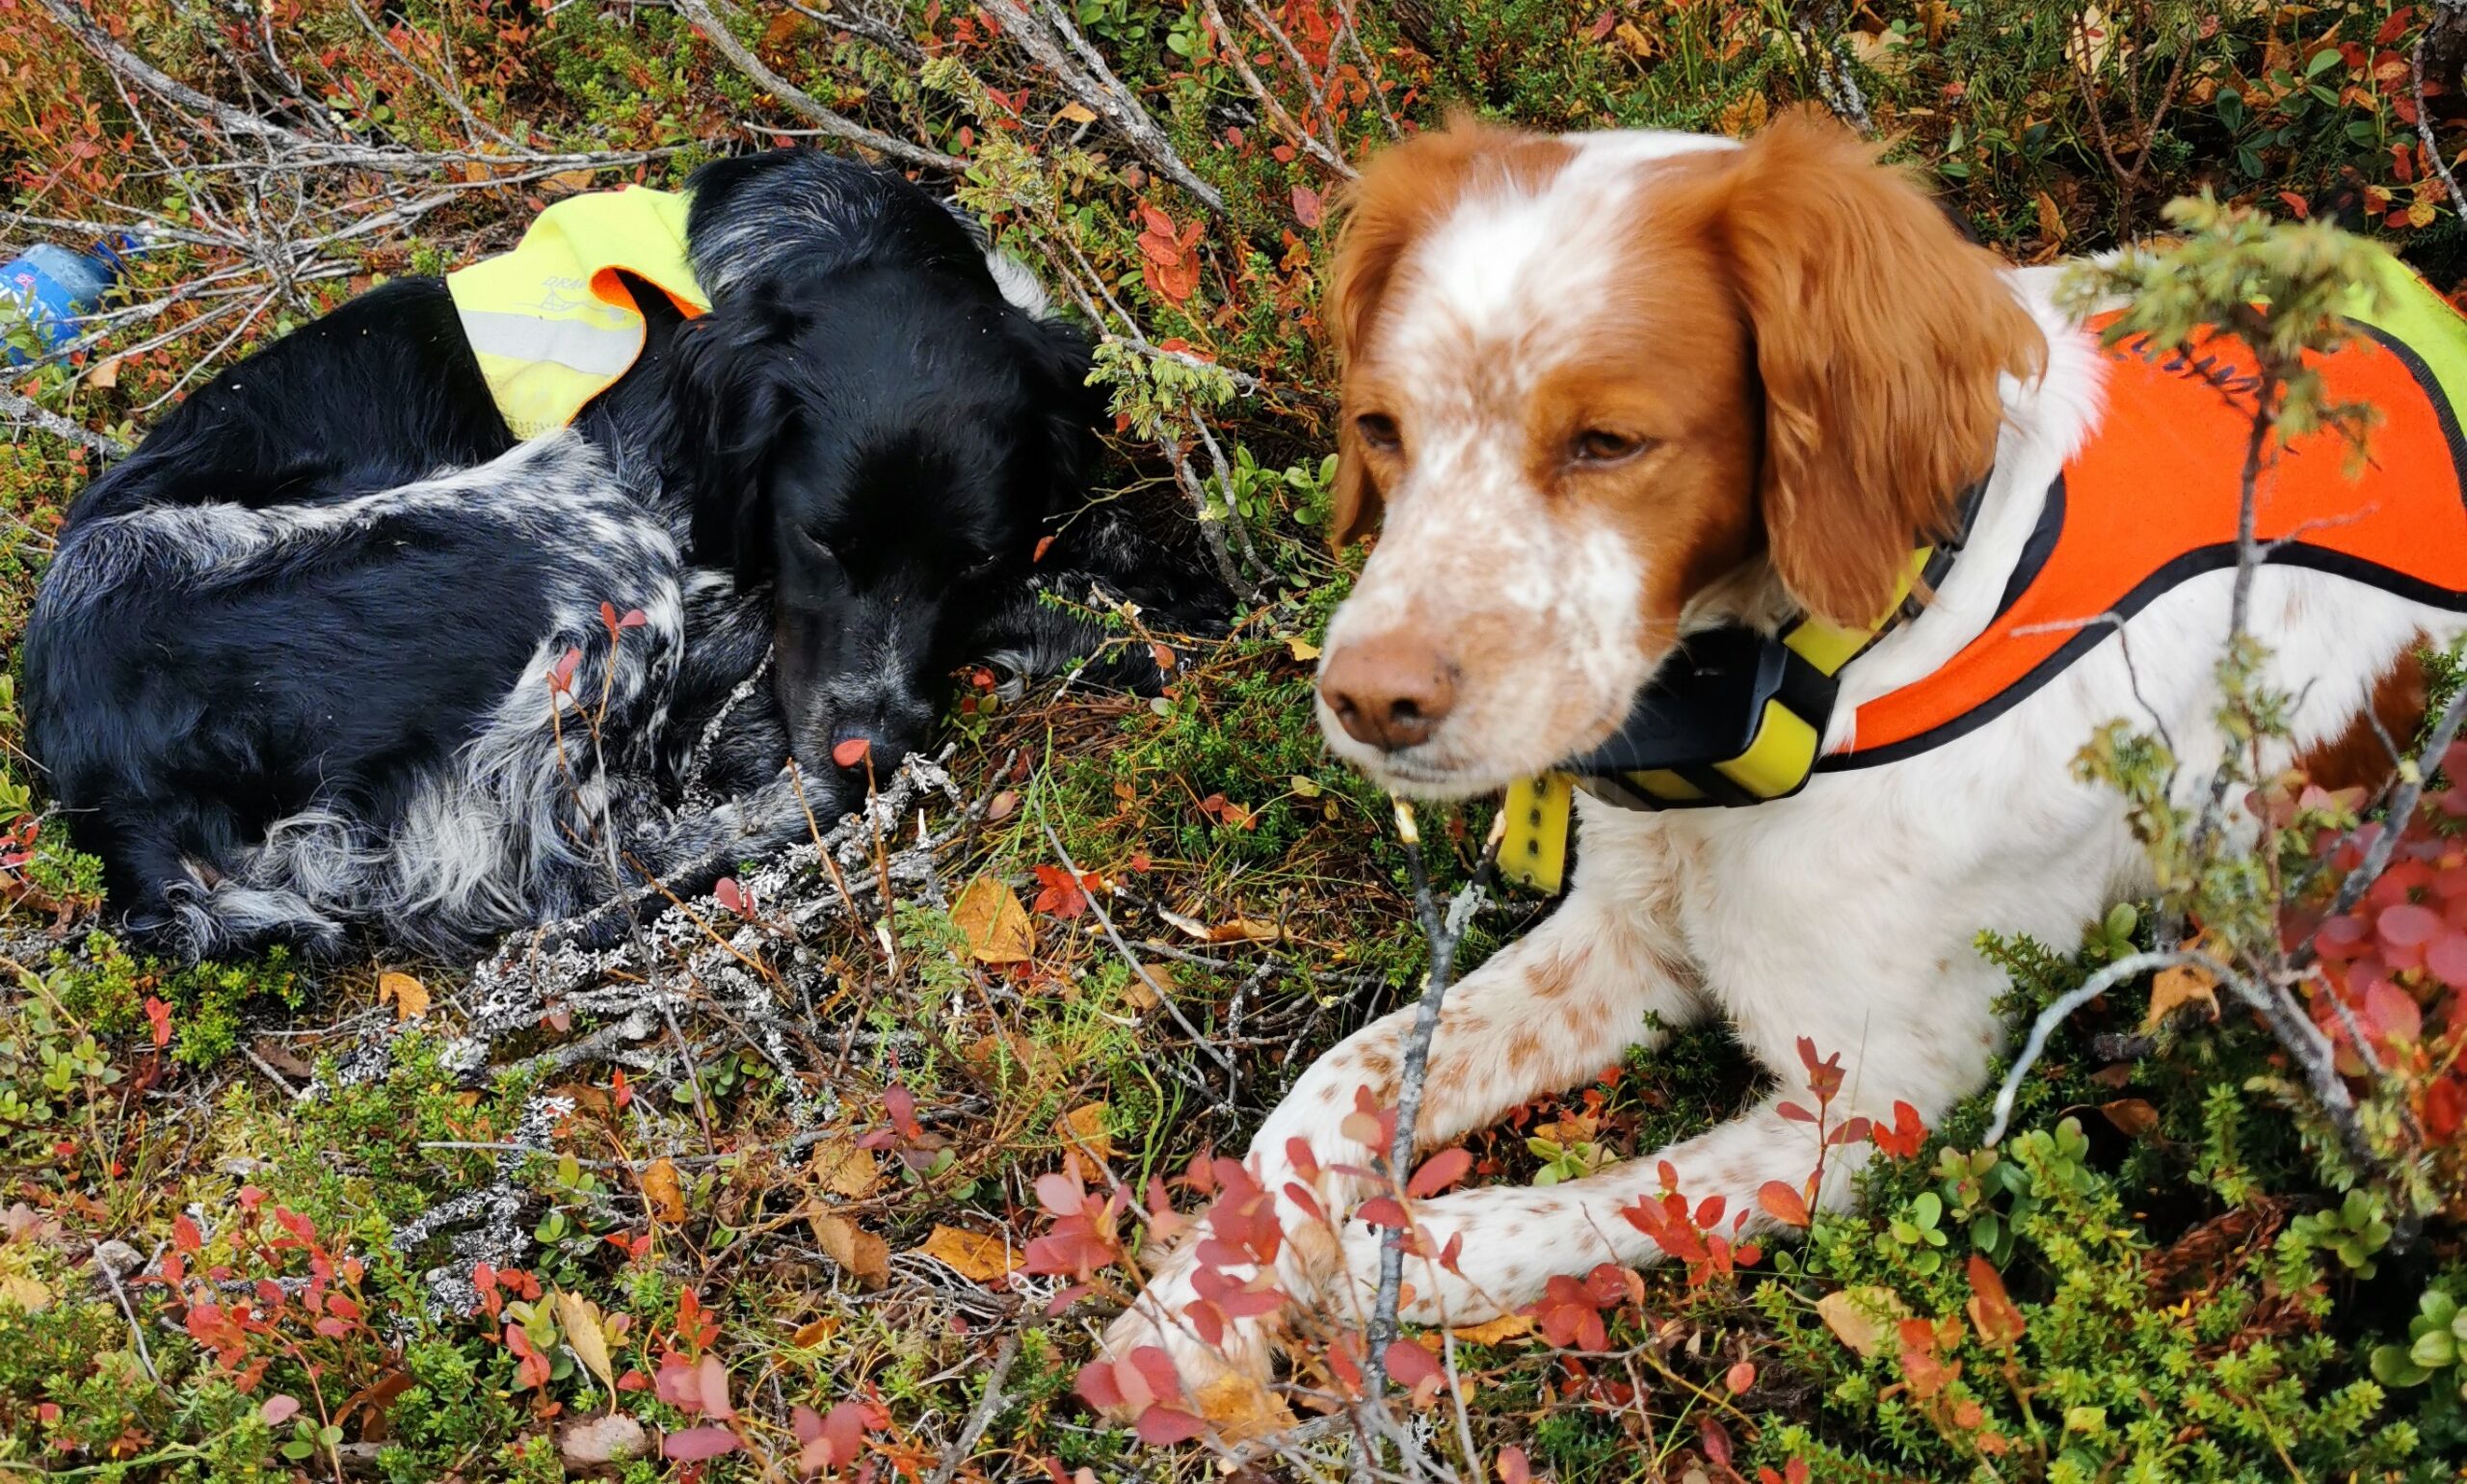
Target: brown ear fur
[[1879, 338], [1402, 193]]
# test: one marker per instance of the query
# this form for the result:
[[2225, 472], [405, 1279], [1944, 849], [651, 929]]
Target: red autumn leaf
[[2390, 1013], [158, 1017], [1060, 892], [1512, 1466], [2404, 929], [1783, 1204], [1926, 1374], [711, 1383], [901, 1104], [1096, 1386], [1739, 1377], [1438, 1172], [728, 894], [1992, 1310], [697, 1444], [185, 1237], [1907, 1135], [1411, 1365], [1382, 1211], [279, 1409], [1045, 543], [839, 1437], [850, 753], [2447, 959], [1164, 1426], [1306, 205]]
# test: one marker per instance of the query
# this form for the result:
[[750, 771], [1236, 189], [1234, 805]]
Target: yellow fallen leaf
[[1505, 1327], [26, 1293], [1863, 1317], [579, 1317], [2051, 221], [1077, 113], [2174, 987], [1300, 647], [996, 927], [408, 995], [810, 1335], [665, 1193], [572, 179], [972, 1254], [105, 374], [1139, 991], [844, 1170], [1244, 930], [1307, 787], [1241, 1407], [1084, 1128], [865, 1256], [1746, 115]]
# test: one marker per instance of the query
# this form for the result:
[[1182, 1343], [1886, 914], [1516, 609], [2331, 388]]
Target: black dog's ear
[[1059, 358], [729, 414]]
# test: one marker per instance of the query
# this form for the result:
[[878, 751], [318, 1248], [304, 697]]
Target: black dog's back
[[380, 392]]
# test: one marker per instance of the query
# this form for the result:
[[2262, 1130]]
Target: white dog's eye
[[1379, 430], [1600, 445]]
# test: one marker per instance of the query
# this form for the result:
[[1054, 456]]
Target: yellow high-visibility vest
[[552, 322]]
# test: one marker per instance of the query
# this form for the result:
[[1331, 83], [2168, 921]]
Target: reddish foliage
[[2394, 968], [1570, 1313], [1063, 894]]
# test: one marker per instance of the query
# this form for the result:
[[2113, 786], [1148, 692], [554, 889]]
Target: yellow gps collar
[[1734, 719]]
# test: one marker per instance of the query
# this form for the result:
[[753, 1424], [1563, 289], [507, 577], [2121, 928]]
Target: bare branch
[[834, 124], [1444, 932], [1284, 122], [1049, 37], [136, 70], [24, 410]]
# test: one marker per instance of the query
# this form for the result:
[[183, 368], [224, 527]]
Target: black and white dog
[[286, 675]]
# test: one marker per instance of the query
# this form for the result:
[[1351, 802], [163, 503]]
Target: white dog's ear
[[1880, 337]]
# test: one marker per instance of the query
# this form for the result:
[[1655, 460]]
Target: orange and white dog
[[1608, 390]]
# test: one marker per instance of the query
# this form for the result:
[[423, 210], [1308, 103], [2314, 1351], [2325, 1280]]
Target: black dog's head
[[868, 426]]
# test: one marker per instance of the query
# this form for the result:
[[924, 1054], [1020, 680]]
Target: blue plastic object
[[51, 287]]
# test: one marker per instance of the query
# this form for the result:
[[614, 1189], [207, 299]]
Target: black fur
[[285, 675]]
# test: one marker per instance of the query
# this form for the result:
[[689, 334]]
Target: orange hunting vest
[[2155, 496]]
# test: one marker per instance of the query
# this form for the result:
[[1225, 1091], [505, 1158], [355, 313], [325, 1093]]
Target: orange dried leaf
[[996, 926], [975, 1256]]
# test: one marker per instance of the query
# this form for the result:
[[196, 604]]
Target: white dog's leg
[[1606, 974]]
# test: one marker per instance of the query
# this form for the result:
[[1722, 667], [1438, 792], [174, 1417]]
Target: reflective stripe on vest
[[2154, 498], [552, 323]]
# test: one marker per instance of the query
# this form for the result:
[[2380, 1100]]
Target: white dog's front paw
[[1244, 1352], [1510, 1241]]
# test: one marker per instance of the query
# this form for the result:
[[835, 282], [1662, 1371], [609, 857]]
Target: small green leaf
[[2392, 1367]]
